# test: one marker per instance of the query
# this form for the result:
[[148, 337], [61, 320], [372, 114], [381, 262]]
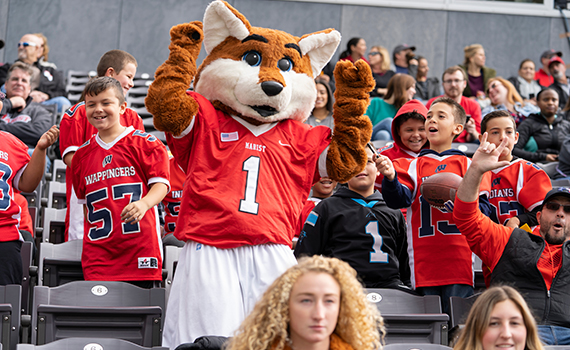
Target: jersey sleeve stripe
[[153, 180], [69, 150], [187, 130], [16, 181]]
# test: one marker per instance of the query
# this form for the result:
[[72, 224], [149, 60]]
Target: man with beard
[[454, 82], [558, 71], [536, 263]]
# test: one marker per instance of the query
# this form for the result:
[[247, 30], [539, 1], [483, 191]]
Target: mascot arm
[[352, 129], [173, 109]]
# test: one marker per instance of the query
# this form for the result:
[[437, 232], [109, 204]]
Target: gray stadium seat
[[171, 254], [60, 263], [560, 183], [467, 148], [10, 310], [551, 168], [88, 344], [416, 347], [460, 308], [410, 318], [381, 143], [53, 225], [58, 171], [55, 195], [98, 309], [26, 252]]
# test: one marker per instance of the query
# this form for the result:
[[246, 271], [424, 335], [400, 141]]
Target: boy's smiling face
[[441, 127], [104, 111], [125, 76], [413, 134]]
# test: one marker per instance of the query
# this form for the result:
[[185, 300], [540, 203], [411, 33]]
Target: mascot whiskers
[[249, 160]]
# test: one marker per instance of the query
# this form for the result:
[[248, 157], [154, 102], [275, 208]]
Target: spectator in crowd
[[401, 89], [356, 226], [322, 189], [525, 84], [477, 73], [504, 96], [48, 83], [563, 167], [426, 88], [322, 113], [541, 134], [499, 318], [400, 56], [20, 115], [561, 83], [380, 64], [355, 50], [543, 74], [534, 262], [318, 291], [454, 82]]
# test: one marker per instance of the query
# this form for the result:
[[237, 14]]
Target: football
[[440, 188]]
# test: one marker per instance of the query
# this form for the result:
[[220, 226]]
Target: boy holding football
[[440, 259], [119, 174]]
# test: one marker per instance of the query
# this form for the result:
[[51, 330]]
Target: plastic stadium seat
[[10, 306], [416, 347], [381, 143], [460, 308], [53, 225], [551, 168], [410, 318], [88, 344], [98, 309], [171, 254], [26, 253], [55, 195], [467, 148], [560, 183], [60, 263]]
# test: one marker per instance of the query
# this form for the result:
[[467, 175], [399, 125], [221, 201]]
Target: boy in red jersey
[[76, 130], [119, 174], [17, 172], [440, 259]]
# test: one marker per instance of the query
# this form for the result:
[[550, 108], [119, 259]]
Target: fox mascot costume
[[249, 159]]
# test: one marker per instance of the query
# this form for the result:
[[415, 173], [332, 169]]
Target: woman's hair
[[330, 100], [480, 314], [266, 327], [525, 61], [46, 46], [385, 57], [512, 95], [348, 51], [397, 87], [470, 51]]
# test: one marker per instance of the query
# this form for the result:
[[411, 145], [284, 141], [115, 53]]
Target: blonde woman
[[477, 73], [317, 304], [379, 59]]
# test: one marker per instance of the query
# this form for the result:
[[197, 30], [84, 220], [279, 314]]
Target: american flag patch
[[230, 136]]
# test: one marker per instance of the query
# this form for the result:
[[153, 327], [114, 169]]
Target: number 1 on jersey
[[248, 204], [376, 255]]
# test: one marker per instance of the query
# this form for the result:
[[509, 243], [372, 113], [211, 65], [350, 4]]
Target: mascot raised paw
[[249, 159]]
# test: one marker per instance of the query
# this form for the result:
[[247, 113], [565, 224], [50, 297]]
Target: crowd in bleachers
[[363, 222]]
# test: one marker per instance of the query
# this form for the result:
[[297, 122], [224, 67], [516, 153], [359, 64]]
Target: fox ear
[[320, 47], [220, 21]]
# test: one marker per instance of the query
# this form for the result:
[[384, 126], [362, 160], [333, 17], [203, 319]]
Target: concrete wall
[[79, 32]]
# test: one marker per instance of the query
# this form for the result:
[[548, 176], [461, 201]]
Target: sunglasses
[[373, 53], [25, 44], [555, 206]]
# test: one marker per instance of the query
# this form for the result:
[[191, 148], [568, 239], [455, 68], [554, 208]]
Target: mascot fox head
[[259, 74]]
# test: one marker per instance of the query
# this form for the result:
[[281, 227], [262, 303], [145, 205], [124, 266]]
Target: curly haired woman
[[318, 303]]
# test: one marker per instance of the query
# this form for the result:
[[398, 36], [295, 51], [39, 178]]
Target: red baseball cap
[[555, 59]]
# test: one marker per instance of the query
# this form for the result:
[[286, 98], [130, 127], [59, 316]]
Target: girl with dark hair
[[322, 113], [355, 50]]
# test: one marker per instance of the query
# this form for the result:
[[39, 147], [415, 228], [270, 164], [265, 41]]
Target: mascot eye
[[285, 64], [252, 58]]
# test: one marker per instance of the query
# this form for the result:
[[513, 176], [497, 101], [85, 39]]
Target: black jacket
[[364, 232], [28, 124], [518, 267], [548, 137], [52, 81]]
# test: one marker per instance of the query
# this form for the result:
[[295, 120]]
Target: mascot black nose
[[271, 88]]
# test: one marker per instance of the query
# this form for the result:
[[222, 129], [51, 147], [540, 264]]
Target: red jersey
[[25, 217], [544, 78], [439, 254], [75, 130], [516, 189], [471, 108], [106, 178], [13, 160], [245, 184], [172, 200]]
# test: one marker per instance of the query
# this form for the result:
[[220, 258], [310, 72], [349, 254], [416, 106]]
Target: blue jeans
[[554, 335], [383, 130], [62, 103], [451, 290]]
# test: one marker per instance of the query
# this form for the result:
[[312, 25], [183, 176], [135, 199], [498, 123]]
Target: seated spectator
[[355, 50], [454, 82], [322, 113], [543, 74], [317, 290], [504, 97], [525, 84], [561, 81], [499, 316], [400, 56], [426, 88], [401, 89], [380, 65], [356, 226], [48, 85], [20, 116], [541, 134], [322, 189], [477, 73]]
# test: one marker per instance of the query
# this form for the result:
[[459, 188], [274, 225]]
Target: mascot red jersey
[[249, 160]]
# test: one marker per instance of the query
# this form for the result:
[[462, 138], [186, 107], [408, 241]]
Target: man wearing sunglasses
[[537, 263], [48, 83]]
